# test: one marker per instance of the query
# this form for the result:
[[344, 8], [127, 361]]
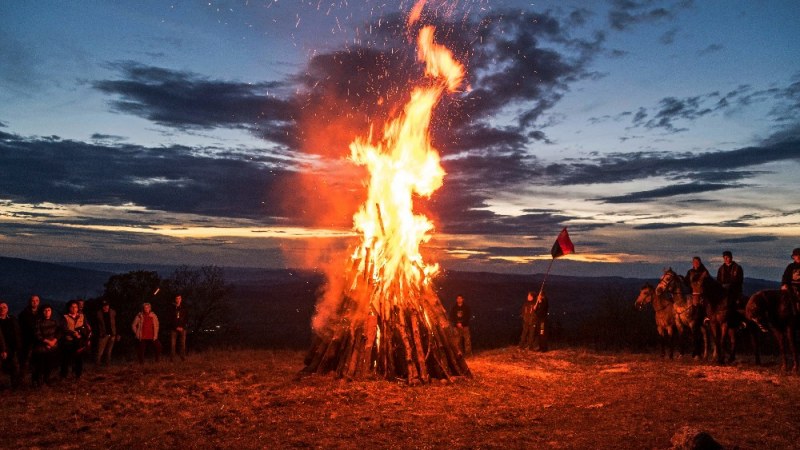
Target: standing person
[[106, 333], [731, 276], [460, 316], [177, 327], [45, 353], [695, 278], [76, 335], [528, 323], [10, 334], [145, 327], [27, 327], [540, 330]]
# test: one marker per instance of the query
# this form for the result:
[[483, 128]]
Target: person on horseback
[[694, 278], [731, 276], [791, 278]]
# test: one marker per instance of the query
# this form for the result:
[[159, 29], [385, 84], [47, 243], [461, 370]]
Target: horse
[[671, 286], [772, 310], [665, 317], [719, 314]]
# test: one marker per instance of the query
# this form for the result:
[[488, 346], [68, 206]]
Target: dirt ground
[[560, 399]]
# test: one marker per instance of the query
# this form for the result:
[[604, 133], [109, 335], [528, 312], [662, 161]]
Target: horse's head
[[645, 296], [756, 310], [668, 282]]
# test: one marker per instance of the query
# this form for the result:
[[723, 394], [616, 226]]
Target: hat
[[796, 252], [727, 253]]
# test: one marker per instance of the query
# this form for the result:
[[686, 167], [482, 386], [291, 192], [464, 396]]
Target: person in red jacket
[[145, 328]]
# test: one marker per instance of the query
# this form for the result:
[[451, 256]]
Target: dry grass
[[561, 399]]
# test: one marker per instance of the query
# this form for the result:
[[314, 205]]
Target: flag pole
[[549, 266]]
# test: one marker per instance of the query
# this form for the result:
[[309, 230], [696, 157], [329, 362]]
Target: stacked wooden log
[[394, 329]]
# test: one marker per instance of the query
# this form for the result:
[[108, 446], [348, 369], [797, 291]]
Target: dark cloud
[[689, 166], [627, 13], [748, 239], [713, 48], [186, 100], [666, 226], [667, 191], [671, 110], [173, 179]]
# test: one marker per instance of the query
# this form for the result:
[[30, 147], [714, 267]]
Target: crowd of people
[[39, 341]]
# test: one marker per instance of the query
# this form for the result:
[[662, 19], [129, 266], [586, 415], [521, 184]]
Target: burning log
[[403, 338]]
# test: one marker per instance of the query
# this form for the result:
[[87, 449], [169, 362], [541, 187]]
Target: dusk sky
[[217, 132]]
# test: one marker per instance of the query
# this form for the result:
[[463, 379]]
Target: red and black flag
[[563, 246]]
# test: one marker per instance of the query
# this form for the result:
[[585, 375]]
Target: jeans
[[177, 337], [464, 340], [143, 344], [104, 347]]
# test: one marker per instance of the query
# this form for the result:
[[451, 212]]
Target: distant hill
[[54, 283]]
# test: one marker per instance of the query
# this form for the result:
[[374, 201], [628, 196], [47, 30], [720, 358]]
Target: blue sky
[[216, 132]]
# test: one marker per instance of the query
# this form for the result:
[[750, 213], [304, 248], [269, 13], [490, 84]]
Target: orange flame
[[403, 164]]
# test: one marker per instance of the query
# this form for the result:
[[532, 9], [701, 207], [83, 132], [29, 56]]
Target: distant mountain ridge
[[53, 283]]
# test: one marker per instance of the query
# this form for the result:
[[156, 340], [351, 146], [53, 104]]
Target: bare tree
[[206, 294]]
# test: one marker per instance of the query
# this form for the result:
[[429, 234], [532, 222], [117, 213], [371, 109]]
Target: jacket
[[137, 325], [101, 324]]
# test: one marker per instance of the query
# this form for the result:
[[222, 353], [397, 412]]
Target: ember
[[389, 321]]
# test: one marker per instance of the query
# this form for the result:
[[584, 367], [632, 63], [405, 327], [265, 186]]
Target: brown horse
[[772, 310], [665, 317], [671, 286], [719, 313]]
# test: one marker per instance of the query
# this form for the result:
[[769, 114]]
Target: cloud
[[177, 179], [748, 239], [713, 48], [671, 110], [667, 191], [628, 13], [616, 168], [185, 100]]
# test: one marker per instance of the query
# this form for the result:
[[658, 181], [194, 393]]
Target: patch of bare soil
[[561, 399]]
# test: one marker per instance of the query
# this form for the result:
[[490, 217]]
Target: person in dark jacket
[[528, 322], [534, 322], [695, 279], [106, 333], [460, 316], [790, 281], [178, 319], [45, 353], [731, 276], [27, 327], [9, 330]]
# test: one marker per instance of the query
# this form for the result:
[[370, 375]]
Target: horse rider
[[791, 278], [731, 276], [695, 278]]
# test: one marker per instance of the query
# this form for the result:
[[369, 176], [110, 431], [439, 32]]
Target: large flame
[[403, 163]]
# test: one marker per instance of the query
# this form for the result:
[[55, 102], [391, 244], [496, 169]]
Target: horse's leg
[[732, 341], [792, 348], [670, 335], [753, 330], [779, 336]]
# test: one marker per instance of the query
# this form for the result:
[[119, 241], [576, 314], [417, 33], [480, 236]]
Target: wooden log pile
[[395, 329]]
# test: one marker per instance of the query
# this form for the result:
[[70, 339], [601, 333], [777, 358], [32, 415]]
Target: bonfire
[[388, 320]]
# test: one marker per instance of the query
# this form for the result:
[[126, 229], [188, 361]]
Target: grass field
[[562, 399]]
